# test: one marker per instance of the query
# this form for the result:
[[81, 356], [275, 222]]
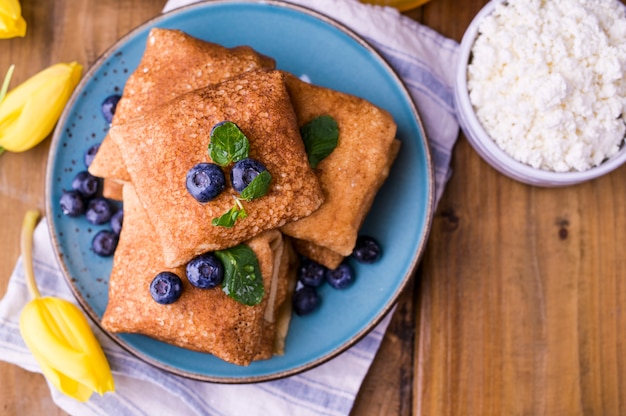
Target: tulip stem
[[28, 228], [5, 83], [3, 91]]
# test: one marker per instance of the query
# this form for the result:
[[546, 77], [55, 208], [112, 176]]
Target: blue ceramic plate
[[303, 43]]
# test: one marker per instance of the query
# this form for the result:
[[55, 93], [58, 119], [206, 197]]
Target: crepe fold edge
[[204, 320]]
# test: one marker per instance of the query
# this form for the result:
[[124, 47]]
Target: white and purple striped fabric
[[425, 60]]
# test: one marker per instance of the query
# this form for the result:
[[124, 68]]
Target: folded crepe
[[350, 176], [173, 63], [161, 146], [160, 131], [204, 320], [320, 254]]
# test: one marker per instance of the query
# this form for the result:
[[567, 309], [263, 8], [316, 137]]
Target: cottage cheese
[[546, 81]]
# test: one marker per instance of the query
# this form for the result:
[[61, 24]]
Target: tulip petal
[[31, 121], [12, 23], [59, 336], [12, 28], [10, 8], [30, 111], [64, 384], [53, 74]]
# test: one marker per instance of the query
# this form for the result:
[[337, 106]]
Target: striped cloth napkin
[[425, 60]]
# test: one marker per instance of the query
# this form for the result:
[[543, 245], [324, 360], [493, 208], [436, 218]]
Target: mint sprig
[[257, 187], [231, 216], [228, 144], [242, 275], [320, 137]]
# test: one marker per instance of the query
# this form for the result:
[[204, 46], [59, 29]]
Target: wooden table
[[516, 308]]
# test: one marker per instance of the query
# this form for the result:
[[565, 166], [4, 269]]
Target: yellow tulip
[[402, 5], [59, 337], [30, 111], [12, 23]]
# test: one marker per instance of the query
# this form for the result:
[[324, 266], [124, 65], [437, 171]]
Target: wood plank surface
[[520, 302], [521, 310], [516, 308]]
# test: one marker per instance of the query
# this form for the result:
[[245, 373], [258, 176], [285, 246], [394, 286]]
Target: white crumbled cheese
[[546, 80]]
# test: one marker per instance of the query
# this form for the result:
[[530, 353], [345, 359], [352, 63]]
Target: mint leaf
[[242, 275], [231, 216], [258, 187], [228, 144], [320, 137]]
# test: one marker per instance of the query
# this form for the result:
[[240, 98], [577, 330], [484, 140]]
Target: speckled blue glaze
[[302, 42]]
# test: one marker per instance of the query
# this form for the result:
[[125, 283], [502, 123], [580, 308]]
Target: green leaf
[[228, 144], [242, 275], [258, 187], [230, 217], [320, 137]]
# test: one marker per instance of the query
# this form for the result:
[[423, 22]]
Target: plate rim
[[355, 338]]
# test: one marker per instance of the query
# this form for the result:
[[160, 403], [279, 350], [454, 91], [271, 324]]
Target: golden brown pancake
[[350, 176], [320, 254], [112, 189], [173, 63], [161, 129], [160, 147], [205, 320]]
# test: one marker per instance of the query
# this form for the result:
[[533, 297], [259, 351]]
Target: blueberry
[[341, 277], [205, 271], [104, 243], [366, 249], [86, 184], [90, 154], [205, 181], [117, 220], [109, 105], [244, 171], [99, 210], [166, 288], [72, 203], [305, 300], [311, 273]]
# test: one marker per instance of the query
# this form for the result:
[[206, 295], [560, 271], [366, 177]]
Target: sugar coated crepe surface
[[350, 176], [161, 146], [182, 88], [173, 63], [205, 320]]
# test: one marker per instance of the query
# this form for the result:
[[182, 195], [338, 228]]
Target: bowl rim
[[488, 149]]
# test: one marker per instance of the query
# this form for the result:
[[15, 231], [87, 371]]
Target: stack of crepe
[[182, 87]]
